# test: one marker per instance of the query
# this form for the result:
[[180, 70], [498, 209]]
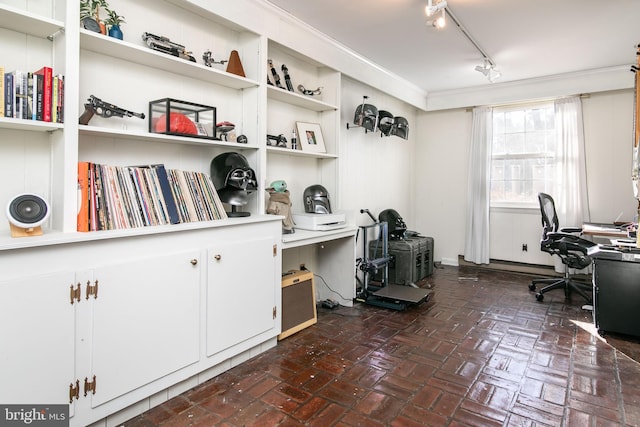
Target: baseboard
[[518, 267]]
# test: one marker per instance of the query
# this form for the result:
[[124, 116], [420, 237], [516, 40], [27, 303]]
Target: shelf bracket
[[53, 36]]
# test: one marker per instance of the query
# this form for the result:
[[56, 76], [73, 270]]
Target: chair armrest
[[570, 230]]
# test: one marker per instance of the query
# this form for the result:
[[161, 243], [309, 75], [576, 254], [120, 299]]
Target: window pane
[[523, 154], [514, 121], [515, 143]]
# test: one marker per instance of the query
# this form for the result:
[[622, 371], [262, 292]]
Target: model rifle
[[287, 78], [274, 72], [97, 106], [163, 44]]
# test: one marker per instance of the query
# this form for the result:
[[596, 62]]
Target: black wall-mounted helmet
[[233, 178], [385, 122], [366, 116], [396, 226], [400, 127], [316, 200]]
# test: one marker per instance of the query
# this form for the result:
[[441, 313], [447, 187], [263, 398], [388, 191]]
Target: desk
[[604, 230], [616, 289], [329, 254]]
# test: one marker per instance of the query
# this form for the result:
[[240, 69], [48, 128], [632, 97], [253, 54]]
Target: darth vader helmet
[[316, 200], [400, 127], [366, 116], [396, 226], [385, 122], [233, 178]]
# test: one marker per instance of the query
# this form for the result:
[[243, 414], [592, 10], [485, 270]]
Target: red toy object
[[178, 123]]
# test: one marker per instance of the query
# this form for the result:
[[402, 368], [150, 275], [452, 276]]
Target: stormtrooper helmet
[[233, 178], [396, 226], [316, 200]]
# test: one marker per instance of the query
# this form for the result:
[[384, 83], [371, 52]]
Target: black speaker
[[26, 212]]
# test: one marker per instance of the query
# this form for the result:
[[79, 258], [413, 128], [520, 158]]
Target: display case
[[182, 118]]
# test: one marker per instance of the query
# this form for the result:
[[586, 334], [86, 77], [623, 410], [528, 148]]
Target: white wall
[[376, 173], [441, 173], [442, 159]]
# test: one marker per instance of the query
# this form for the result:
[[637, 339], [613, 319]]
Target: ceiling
[[525, 38]]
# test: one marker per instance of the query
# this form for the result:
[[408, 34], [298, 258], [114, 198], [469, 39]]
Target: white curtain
[[479, 179], [571, 200], [572, 203]]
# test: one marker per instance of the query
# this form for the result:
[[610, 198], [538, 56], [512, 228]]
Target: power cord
[[329, 287]]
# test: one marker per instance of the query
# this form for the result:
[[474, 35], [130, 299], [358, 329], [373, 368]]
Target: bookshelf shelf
[[145, 56], [29, 125], [299, 153], [299, 100], [54, 238], [88, 130], [29, 23]]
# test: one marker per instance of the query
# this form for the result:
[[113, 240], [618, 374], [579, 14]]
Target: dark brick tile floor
[[482, 352]]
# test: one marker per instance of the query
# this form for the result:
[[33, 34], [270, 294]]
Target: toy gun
[[163, 44], [279, 141], [104, 109]]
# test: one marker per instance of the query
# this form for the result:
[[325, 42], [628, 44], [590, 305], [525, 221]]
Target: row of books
[[37, 95], [121, 197]]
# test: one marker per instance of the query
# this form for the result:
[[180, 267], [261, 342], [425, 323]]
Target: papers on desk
[[611, 230], [624, 243]]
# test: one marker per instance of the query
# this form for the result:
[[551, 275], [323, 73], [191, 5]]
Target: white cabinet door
[[37, 336], [145, 322], [240, 292]]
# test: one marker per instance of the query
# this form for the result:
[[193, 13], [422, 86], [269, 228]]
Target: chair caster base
[[539, 296], [532, 287]]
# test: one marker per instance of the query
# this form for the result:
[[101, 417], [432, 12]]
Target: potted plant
[[113, 21], [90, 15]]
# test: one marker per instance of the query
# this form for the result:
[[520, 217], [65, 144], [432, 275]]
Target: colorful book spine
[[83, 196], [38, 82], [2, 85], [9, 94], [60, 104], [47, 92]]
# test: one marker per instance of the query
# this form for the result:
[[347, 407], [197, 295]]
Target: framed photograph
[[310, 137]]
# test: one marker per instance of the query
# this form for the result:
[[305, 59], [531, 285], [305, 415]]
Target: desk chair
[[566, 243]]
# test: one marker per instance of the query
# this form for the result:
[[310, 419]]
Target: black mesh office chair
[[566, 243]]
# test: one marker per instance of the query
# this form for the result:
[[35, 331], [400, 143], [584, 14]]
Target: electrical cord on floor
[[329, 287]]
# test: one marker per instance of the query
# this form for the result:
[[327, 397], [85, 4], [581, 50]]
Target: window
[[523, 154]]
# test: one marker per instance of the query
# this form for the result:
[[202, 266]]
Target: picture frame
[[310, 137]]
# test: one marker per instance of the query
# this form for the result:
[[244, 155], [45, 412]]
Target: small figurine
[[280, 204]]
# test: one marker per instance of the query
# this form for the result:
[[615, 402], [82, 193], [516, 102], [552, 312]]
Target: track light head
[[489, 71], [432, 9], [439, 22]]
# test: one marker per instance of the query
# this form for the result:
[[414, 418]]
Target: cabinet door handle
[[194, 262], [217, 257]]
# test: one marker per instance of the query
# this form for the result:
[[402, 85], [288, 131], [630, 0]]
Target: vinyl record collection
[[121, 197]]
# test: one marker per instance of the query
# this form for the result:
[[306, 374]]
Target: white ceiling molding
[[591, 81]]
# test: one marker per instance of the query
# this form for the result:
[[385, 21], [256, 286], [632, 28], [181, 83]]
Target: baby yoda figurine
[[280, 204]]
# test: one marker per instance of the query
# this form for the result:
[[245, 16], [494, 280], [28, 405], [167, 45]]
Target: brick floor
[[481, 352]]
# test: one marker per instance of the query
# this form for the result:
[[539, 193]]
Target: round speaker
[[27, 210]]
